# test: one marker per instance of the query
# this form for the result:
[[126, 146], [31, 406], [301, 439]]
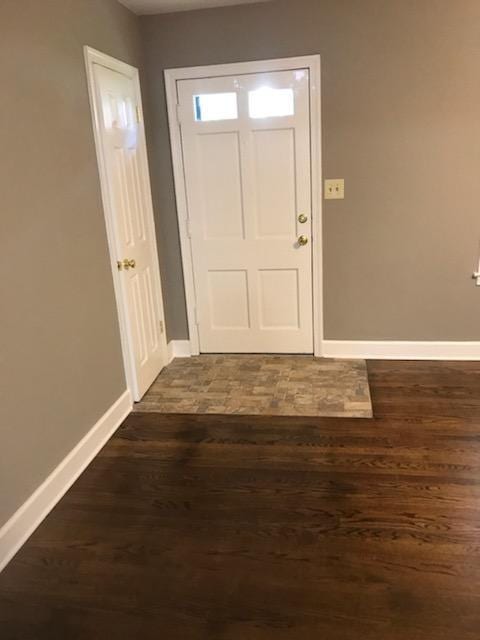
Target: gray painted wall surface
[[60, 358], [400, 123]]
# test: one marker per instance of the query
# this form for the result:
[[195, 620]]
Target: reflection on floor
[[262, 385], [203, 527]]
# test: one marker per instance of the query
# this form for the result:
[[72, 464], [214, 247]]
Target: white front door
[[130, 220], [246, 154]]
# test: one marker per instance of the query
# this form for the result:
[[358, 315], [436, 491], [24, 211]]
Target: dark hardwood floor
[[211, 527]]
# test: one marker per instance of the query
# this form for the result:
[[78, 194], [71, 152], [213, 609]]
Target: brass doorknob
[[126, 264], [302, 241]]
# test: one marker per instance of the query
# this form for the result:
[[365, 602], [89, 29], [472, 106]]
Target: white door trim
[[172, 76], [93, 56]]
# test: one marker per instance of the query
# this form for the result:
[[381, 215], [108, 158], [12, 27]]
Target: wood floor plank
[[260, 528]]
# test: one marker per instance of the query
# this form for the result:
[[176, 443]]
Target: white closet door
[[128, 186]]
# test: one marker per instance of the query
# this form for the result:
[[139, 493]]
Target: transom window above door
[[264, 102], [267, 102], [209, 107]]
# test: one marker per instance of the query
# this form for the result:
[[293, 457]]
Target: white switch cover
[[335, 189]]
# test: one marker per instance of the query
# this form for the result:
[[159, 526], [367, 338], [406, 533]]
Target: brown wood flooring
[[239, 528]]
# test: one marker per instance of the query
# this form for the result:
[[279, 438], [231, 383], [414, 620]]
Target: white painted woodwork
[[126, 187], [401, 350], [247, 181]]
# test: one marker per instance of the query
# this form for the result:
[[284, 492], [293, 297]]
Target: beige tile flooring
[[261, 385]]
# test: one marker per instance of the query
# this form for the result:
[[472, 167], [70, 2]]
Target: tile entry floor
[[261, 385]]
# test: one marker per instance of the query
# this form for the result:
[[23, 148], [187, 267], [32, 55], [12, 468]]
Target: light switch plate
[[335, 189]]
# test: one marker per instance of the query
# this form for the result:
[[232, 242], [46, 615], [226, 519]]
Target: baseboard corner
[[179, 349]]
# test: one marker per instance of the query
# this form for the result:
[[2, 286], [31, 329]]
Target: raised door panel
[[137, 197], [279, 302], [228, 294], [221, 184], [121, 199], [274, 170]]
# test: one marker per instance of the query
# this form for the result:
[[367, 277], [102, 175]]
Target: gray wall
[[401, 124], [60, 356]]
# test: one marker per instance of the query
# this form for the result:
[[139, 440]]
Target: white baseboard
[[26, 519], [373, 350], [179, 349], [401, 350]]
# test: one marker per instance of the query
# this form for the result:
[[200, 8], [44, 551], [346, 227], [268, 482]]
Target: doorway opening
[[246, 149]]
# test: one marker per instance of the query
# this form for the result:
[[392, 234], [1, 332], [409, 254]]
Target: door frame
[[172, 76], [92, 56]]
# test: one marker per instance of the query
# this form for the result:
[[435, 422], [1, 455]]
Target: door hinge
[[162, 327], [138, 111]]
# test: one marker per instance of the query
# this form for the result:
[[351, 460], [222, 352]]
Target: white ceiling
[[143, 7]]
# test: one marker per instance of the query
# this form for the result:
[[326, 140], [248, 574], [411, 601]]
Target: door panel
[[246, 152], [229, 299], [219, 154], [275, 181], [124, 153], [277, 311]]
